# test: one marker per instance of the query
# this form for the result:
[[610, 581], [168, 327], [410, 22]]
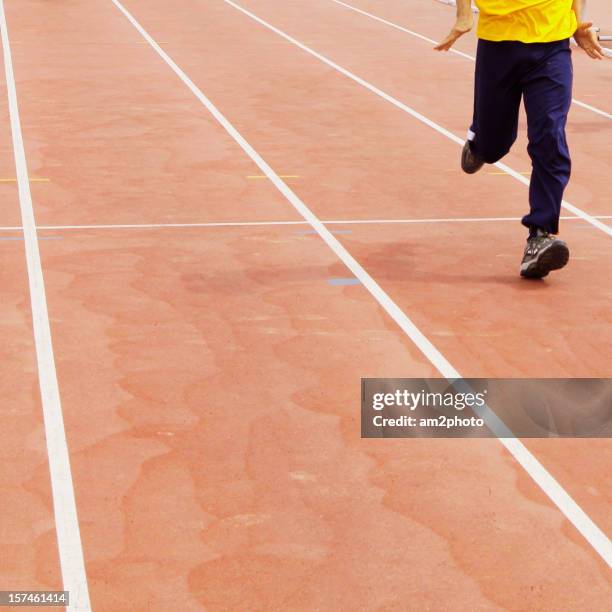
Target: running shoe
[[543, 253]]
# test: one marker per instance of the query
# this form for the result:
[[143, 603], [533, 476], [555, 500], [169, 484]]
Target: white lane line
[[439, 220], [173, 225], [572, 511], [442, 220], [592, 108], [66, 520], [455, 51], [407, 109]]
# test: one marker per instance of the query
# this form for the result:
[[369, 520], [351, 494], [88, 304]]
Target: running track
[[206, 354]]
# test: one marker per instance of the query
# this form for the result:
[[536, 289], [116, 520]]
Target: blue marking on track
[[344, 281]]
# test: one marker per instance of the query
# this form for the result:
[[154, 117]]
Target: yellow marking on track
[[506, 174], [32, 180], [263, 176]]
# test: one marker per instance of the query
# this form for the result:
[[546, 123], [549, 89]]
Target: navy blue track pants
[[541, 74]]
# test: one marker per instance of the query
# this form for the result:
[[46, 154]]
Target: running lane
[[200, 485]]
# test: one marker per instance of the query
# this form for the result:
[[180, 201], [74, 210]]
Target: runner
[[524, 53]]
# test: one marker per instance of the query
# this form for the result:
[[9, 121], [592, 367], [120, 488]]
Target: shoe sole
[[554, 257]]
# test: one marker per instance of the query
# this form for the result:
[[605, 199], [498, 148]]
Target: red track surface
[[210, 375]]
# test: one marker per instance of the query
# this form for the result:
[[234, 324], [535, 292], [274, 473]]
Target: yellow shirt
[[528, 21]]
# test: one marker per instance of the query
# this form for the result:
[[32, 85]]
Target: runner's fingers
[[599, 49], [447, 43], [594, 53]]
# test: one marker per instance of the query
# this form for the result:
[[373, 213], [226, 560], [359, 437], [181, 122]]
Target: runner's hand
[[461, 27], [587, 40]]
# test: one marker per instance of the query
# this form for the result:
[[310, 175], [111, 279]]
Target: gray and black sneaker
[[470, 162], [543, 253]]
